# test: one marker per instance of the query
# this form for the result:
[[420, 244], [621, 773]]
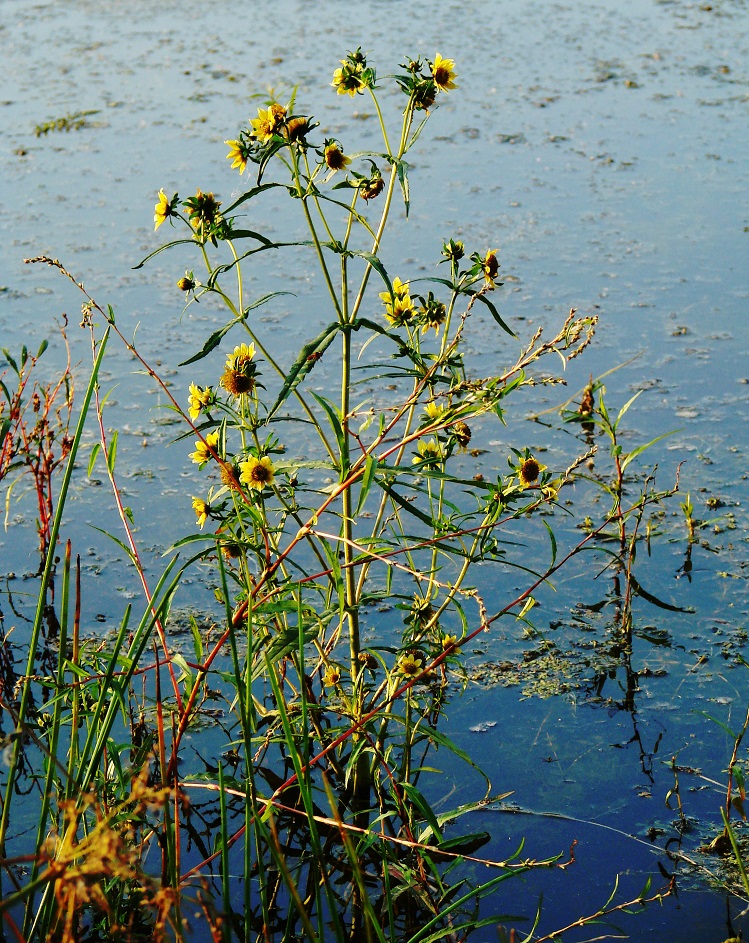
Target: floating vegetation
[[72, 122]]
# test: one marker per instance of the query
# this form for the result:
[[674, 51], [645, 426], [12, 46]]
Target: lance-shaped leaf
[[308, 357], [250, 194], [215, 339], [495, 314], [168, 245]]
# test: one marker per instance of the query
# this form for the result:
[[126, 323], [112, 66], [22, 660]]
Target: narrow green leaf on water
[[112, 451], [304, 363], [334, 416], [212, 343], [370, 467], [11, 361], [495, 314]]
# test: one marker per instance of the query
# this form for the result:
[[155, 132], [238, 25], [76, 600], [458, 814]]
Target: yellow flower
[[257, 473], [162, 209], [240, 356], [345, 80], [201, 509], [199, 399], [435, 410], [237, 383], [335, 158], [443, 73], [268, 121], [332, 676], [448, 641], [398, 306], [237, 155], [490, 266], [410, 665], [529, 470], [202, 453], [428, 453]]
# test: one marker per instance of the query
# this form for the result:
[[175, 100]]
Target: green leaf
[[304, 363], [4, 426], [212, 343], [465, 844], [250, 194], [42, 347], [495, 314], [92, 458], [334, 417], [377, 266], [553, 540], [251, 234], [168, 245], [423, 806], [379, 329], [112, 451], [11, 361], [624, 409], [401, 168], [641, 448], [370, 467]]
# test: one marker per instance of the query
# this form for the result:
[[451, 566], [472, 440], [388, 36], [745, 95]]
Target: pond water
[[603, 148]]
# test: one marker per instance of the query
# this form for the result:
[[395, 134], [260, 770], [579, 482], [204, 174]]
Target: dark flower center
[[530, 470]]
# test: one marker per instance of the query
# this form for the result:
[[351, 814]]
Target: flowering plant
[[385, 507], [402, 514]]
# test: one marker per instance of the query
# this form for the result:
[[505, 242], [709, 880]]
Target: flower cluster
[[354, 75], [423, 80]]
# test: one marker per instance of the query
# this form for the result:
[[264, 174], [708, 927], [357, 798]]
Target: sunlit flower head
[[199, 399], [462, 433], [202, 453], [490, 266], [335, 158], [432, 314], [257, 473], [448, 641], [187, 282], [162, 209], [398, 306], [529, 471], [239, 376], [202, 510], [410, 664], [240, 356], [237, 383], [268, 121], [237, 155], [347, 79], [443, 72], [435, 410], [332, 676], [428, 452]]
